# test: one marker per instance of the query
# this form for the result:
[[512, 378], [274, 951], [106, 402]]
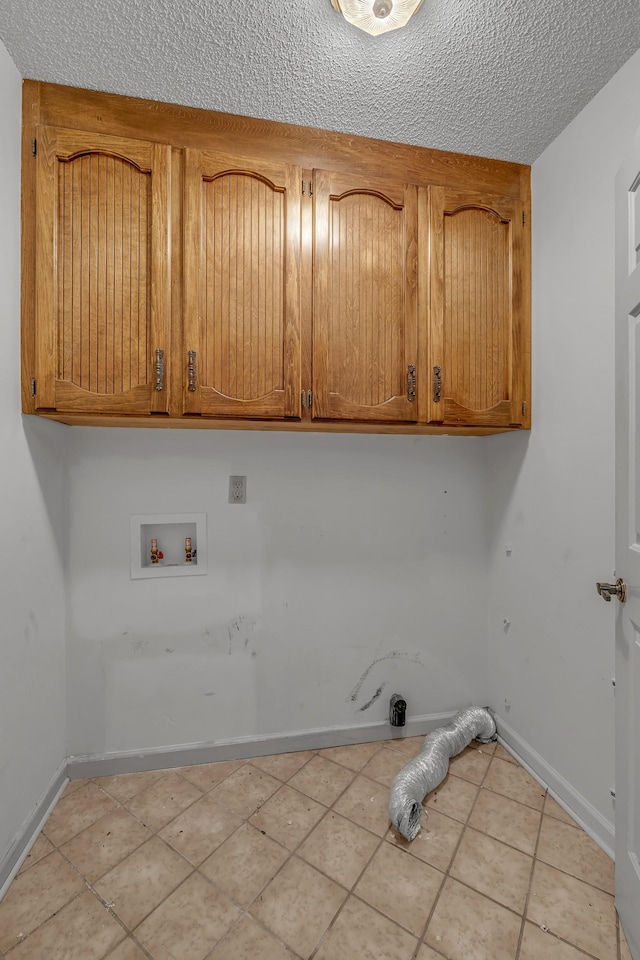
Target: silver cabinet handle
[[437, 384], [191, 371], [159, 369]]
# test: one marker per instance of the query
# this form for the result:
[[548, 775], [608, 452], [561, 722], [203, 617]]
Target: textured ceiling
[[499, 78]]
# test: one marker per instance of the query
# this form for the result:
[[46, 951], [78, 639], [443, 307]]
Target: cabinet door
[[242, 296], [476, 334], [102, 273], [364, 350]]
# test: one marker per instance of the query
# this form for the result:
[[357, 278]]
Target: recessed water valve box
[[168, 545]]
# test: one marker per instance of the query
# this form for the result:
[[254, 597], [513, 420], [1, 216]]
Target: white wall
[[552, 495], [32, 531], [349, 548]]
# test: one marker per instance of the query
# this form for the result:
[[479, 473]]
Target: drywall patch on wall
[[343, 556]]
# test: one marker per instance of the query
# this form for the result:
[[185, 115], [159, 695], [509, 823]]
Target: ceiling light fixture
[[377, 16]]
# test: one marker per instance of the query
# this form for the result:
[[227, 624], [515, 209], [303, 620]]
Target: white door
[[627, 321]]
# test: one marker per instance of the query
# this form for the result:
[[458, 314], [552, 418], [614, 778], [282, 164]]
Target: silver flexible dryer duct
[[430, 767]]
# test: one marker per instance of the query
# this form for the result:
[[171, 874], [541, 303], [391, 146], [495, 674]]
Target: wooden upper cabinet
[[476, 344], [229, 271], [102, 296], [241, 287], [365, 319]]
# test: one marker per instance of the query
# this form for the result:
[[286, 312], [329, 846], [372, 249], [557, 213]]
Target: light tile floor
[[292, 856]]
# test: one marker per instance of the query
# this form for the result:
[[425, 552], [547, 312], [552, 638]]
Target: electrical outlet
[[237, 489]]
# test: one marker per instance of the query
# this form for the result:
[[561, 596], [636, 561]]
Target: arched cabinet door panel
[[102, 273], [365, 332], [241, 281], [476, 344]]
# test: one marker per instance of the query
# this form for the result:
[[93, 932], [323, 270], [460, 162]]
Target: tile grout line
[[534, 860], [105, 903], [444, 873], [156, 832], [193, 869], [91, 825], [129, 932], [420, 938], [384, 839], [330, 809], [245, 910], [58, 849], [573, 876], [24, 939], [244, 915], [76, 896], [447, 872], [566, 873], [356, 774], [350, 891], [291, 853]]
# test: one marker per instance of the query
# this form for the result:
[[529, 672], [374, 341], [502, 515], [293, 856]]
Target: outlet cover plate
[[237, 489]]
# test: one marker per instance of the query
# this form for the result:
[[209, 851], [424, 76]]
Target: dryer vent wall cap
[[397, 710]]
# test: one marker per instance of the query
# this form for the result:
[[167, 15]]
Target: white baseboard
[[28, 833], [158, 758], [241, 748], [584, 813]]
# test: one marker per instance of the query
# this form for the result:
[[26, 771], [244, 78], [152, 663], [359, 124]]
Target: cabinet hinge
[[524, 218], [524, 408], [33, 387], [304, 188], [34, 147], [309, 399]]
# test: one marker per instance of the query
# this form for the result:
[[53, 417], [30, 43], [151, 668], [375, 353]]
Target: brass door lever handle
[[617, 589]]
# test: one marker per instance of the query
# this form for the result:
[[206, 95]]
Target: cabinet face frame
[[477, 264], [241, 286], [85, 318]]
